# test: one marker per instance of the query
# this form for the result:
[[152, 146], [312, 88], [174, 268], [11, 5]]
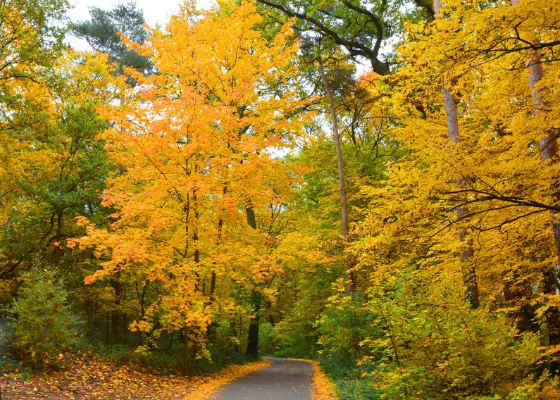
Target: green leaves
[[44, 324], [103, 32]]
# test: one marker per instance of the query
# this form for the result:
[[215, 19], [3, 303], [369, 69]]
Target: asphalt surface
[[283, 380]]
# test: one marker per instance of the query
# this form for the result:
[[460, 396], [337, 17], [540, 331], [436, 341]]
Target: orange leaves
[[107, 200], [323, 388], [195, 152], [92, 379], [264, 268]]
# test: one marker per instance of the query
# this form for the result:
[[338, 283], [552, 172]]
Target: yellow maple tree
[[197, 151]]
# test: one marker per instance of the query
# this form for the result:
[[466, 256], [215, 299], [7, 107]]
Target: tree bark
[[199, 284], [185, 349], [350, 280], [549, 153], [516, 295], [218, 242], [253, 336], [252, 350], [469, 272], [117, 316]]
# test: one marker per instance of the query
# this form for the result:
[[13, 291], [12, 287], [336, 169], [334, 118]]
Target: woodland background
[[371, 183]]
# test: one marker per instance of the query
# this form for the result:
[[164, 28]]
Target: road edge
[[323, 387], [214, 382]]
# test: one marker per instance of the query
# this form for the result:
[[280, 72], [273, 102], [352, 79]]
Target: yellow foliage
[[323, 388], [106, 381], [411, 238], [196, 149]]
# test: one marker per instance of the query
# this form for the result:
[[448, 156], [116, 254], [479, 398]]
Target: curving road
[[283, 380]]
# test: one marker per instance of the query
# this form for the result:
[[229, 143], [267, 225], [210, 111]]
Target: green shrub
[[342, 327], [44, 325], [435, 346]]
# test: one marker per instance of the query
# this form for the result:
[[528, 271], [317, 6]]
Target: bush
[[435, 346], [343, 326], [44, 325]]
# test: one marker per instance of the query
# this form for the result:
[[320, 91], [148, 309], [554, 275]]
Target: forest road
[[283, 380]]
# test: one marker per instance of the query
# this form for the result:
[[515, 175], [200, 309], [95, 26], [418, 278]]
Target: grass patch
[[350, 382]]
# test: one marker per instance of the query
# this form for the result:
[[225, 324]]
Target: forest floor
[[93, 379]]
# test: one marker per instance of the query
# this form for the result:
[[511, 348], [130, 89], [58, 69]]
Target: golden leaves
[[195, 149], [92, 379], [323, 388]]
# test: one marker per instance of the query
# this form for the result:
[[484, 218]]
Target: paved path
[[283, 380]]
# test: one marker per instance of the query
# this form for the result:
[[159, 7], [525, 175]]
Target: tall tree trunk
[[185, 349], [253, 336], [117, 316], [469, 271], [212, 286], [107, 339], [218, 242], [199, 285], [350, 280], [549, 153], [213, 277], [516, 293]]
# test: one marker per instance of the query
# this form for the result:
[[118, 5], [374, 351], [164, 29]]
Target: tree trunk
[[253, 337], [212, 286], [117, 316], [516, 295], [199, 285], [213, 277], [251, 218], [350, 280], [469, 272], [185, 349], [107, 328], [549, 153], [213, 273]]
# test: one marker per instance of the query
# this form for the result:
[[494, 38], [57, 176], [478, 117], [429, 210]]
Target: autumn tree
[[201, 136], [30, 41], [338, 33], [450, 102], [410, 240], [105, 32]]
